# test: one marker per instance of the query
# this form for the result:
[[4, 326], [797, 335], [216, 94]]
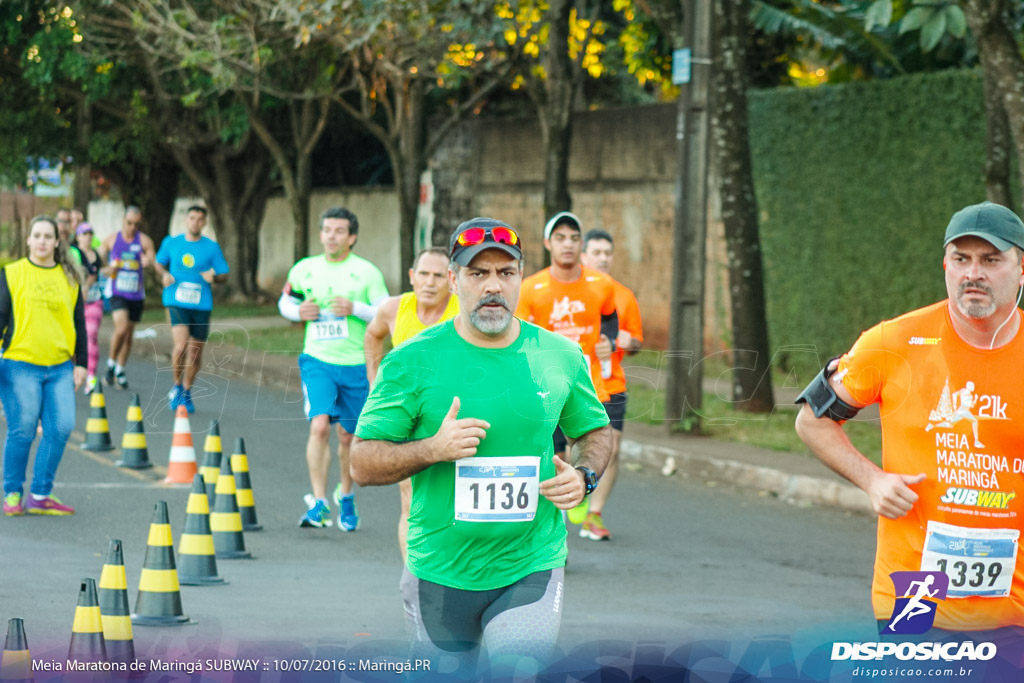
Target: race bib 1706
[[329, 328]]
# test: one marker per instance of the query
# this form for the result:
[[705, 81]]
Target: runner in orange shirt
[[599, 253], [575, 302], [950, 492]]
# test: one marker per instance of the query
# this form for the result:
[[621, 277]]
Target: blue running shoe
[[174, 397], [318, 515], [348, 518], [186, 400]]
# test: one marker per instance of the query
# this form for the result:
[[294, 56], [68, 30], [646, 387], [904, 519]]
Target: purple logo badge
[[916, 596]]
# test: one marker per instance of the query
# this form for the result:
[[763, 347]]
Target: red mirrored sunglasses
[[474, 236]]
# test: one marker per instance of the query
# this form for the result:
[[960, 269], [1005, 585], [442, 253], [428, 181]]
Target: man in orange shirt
[[599, 253], [950, 506], [575, 302]]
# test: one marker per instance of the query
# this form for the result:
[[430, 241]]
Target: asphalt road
[[689, 560]]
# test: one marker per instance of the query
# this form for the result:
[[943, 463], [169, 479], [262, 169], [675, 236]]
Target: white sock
[[38, 497], [110, 363], [118, 369]]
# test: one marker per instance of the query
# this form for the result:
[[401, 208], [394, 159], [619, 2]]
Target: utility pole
[[686, 333]]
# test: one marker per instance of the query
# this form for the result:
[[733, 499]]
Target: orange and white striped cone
[[212, 454], [97, 428], [197, 564], [181, 466], [243, 487], [117, 623], [87, 643], [16, 662], [225, 522], [134, 453], [159, 600]]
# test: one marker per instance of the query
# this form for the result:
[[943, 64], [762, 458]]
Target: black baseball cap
[[463, 254], [993, 223]]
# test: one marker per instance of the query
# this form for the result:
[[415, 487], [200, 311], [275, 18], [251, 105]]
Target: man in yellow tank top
[[429, 303]]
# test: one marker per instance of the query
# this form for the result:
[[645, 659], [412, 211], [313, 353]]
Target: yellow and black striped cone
[[87, 644], [243, 487], [16, 662], [211, 460], [197, 564], [117, 623], [97, 429], [134, 453], [225, 521], [159, 600]]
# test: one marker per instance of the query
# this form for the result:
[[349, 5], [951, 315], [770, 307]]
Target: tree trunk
[[555, 109], [82, 191], [684, 382], [998, 143], [752, 382], [409, 164], [1000, 57], [235, 185]]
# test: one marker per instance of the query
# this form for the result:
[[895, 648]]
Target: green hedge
[[855, 185]]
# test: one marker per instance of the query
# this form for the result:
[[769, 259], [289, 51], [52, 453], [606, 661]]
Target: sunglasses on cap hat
[[500, 234]]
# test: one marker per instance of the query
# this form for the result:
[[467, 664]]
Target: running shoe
[[12, 505], [348, 518], [50, 505], [90, 384], [186, 400], [318, 515], [594, 529], [579, 513], [110, 375], [174, 397], [122, 381]]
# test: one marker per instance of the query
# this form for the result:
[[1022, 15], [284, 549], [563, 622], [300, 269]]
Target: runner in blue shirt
[[189, 263]]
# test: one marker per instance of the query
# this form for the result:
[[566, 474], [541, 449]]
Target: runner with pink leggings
[[91, 264]]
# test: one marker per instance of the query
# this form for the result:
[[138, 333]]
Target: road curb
[[796, 488]]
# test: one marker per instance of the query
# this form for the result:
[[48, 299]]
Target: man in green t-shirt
[[467, 408], [336, 294]]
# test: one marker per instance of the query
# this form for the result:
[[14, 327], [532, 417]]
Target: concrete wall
[[377, 211], [622, 179]]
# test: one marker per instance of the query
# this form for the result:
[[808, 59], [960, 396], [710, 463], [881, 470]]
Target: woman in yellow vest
[[43, 353]]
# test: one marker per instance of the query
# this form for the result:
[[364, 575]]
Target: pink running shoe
[[50, 505], [12, 505]]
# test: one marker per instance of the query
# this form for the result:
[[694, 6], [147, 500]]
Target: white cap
[[561, 218]]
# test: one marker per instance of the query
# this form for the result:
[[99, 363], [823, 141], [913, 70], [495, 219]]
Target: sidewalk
[[794, 477]]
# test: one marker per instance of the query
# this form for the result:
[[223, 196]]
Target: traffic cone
[[225, 521], [211, 459], [16, 662], [134, 453], [243, 487], [97, 429], [87, 643], [159, 600], [117, 623], [181, 466], [197, 564]]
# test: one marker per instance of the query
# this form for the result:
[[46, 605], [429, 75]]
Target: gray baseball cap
[[991, 222]]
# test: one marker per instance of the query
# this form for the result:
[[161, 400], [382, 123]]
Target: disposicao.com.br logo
[[916, 596], [913, 613]]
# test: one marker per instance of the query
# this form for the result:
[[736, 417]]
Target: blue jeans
[[28, 392]]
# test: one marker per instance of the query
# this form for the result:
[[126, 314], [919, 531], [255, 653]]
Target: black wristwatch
[[589, 480]]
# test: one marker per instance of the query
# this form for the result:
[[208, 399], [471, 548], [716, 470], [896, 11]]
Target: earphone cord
[[992, 344]]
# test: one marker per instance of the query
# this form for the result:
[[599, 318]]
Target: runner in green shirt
[[336, 294], [467, 409]]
